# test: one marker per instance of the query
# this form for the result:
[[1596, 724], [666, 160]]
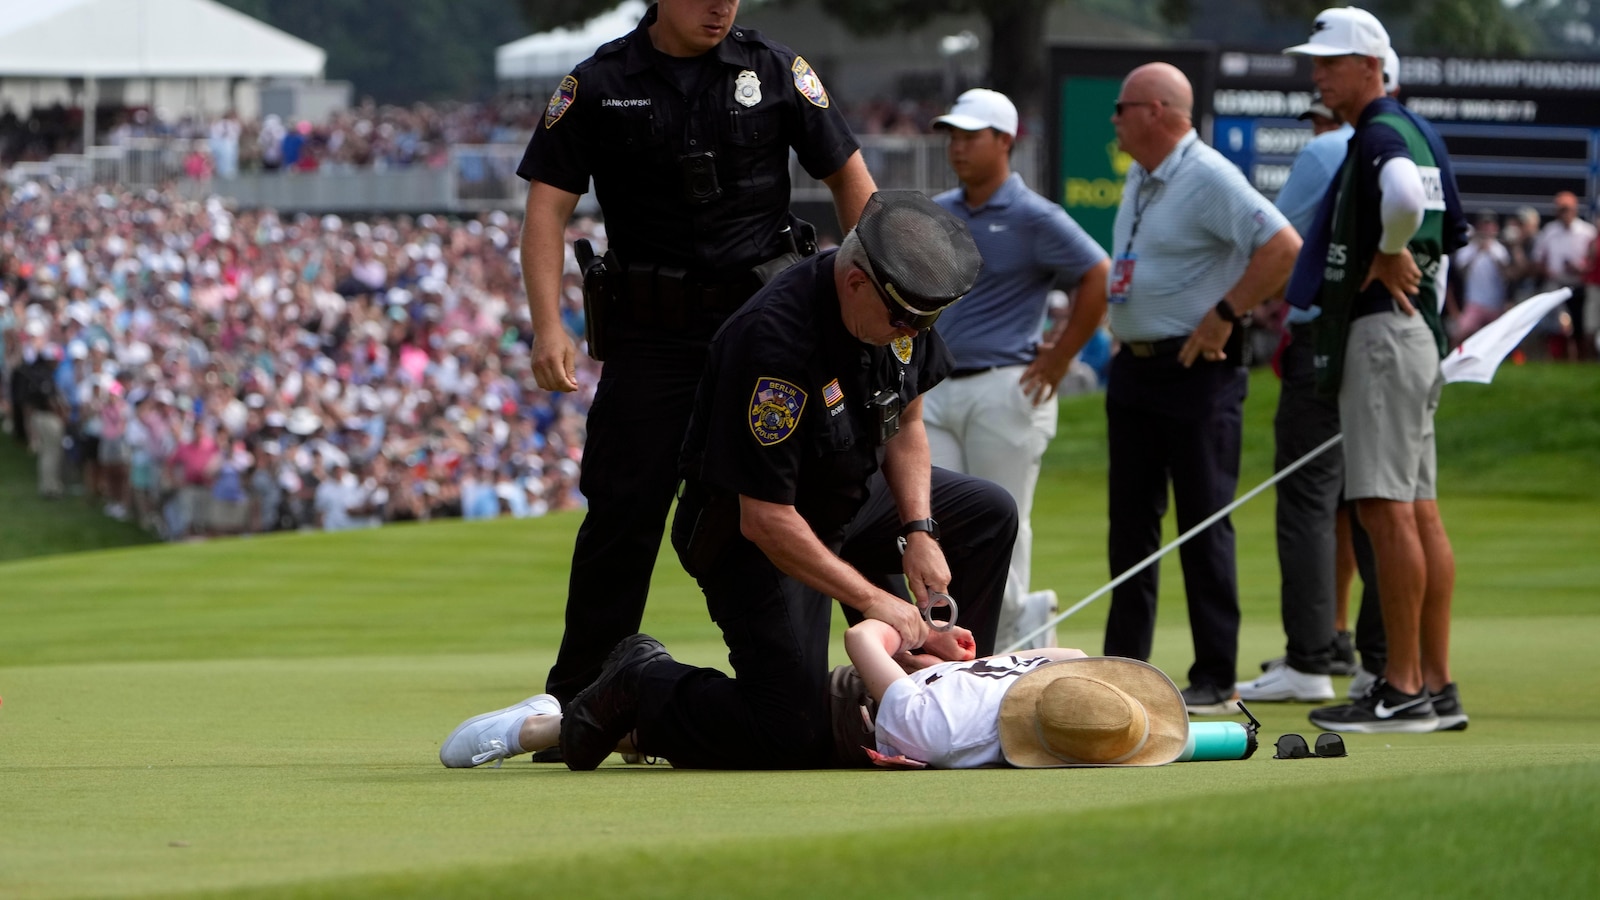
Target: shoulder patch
[[561, 101], [775, 408], [902, 348], [808, 84]]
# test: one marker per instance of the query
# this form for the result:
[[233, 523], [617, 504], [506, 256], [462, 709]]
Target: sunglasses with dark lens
[[1293, 746], [1123, 105], [899, 316]]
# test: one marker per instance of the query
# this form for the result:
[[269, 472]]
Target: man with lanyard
[[805, 460], [996, 413], [1197, 247], [685, 125], [1393, 214]]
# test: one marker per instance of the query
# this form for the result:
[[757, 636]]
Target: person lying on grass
[[939, 707], [1047, 707]]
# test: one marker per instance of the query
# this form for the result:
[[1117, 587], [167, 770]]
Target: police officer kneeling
[[805, 460]]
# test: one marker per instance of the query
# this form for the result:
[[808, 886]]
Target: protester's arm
[[788, 541], [908, 469], [1265, 276], [1042, 377], [850, 186], [872, 647], [543, 256]]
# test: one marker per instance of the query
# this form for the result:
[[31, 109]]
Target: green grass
[[260, 717], [31, 526]]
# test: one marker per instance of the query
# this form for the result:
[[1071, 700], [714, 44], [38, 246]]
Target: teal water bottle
[[1218, 740]]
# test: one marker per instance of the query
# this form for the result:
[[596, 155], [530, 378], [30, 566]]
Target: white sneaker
[[493, 735], [1360, 684], [1284, 682]]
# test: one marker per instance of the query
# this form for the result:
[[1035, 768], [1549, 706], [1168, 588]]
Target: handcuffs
[[935, 600]]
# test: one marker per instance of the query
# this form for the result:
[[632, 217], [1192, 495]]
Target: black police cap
[[924, 257]]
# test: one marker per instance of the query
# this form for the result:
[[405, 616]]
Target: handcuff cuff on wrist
[[935, 598]]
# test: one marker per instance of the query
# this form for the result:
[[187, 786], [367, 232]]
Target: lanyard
[[1141, 201]]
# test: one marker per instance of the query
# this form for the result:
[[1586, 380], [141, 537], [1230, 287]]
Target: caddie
[[1392, 215]]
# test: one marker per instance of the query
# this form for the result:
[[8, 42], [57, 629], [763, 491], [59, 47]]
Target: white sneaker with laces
[[1360, 684], [1284, 682], [493, 735]]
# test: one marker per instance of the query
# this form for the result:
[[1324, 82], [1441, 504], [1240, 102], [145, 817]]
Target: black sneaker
[[1383, 710], [605, 711], [547, 755], [1344, 655], [1207, 700], [1447, 706]]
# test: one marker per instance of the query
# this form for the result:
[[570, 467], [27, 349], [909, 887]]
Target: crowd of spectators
[[205, 371], [1505, 264], [368, 135]]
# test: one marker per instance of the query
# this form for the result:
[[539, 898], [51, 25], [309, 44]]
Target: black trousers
[[636, 426], [1165, 422], [774, 714], [1308, 502]]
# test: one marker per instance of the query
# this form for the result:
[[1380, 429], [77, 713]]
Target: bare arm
[[794, 548], [1265, 276], [555, 357], [908, 469], [851, 186], [1044, 374], [871, 647]]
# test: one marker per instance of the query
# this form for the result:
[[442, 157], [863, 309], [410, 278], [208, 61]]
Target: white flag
[[1479, 355]]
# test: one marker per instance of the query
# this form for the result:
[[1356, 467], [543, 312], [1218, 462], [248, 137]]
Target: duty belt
[[670, 297]]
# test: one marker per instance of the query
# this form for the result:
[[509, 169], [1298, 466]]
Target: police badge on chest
[[747, 89]]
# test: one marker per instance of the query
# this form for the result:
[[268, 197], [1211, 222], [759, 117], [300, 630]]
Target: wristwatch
[[1226, 311], [928, 525]]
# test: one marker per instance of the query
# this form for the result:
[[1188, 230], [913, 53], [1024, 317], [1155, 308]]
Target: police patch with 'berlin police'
[[775, 407]]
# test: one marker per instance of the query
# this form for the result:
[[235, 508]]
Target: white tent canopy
[[146, 39], [554, 53]]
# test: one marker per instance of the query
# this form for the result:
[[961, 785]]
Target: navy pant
[[1308, 502], [1167, 424], [774, 714], [636, 426]]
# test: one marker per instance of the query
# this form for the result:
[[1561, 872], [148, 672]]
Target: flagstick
[[1145, 563]]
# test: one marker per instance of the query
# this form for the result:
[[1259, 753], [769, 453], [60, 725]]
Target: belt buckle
[[1142, 349]]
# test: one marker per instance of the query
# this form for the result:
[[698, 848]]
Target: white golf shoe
[[493, 735], [1283, 682]]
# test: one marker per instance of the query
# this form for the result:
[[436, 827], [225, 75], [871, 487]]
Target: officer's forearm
[[851, 186], [908, 465], [543, 256], [791, 545]]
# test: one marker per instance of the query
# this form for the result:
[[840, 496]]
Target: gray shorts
[[1386, 404]]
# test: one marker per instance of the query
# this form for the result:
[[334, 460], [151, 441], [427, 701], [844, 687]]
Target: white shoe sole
[[1385, 726], [1249, 692], [1226, 708]]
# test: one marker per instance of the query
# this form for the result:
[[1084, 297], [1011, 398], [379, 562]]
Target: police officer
[[685, 125], [805, 459]]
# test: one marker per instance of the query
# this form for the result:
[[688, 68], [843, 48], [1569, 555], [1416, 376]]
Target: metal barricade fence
[[477, 177]]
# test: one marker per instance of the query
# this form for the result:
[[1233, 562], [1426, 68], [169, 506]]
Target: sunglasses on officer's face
[[899, 316]]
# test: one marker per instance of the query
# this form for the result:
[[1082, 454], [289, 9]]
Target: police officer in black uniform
[[685, 125], [805, 459]]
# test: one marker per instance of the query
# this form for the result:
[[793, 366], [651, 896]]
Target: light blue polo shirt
[[1309, 178], [1029, 246], [1199, 222]]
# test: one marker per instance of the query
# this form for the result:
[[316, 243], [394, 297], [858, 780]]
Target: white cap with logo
[[1343, 31], [981, 108]]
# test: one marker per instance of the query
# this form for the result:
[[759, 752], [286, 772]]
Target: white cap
[[1345, 30], [981, 108], [1391, 71]]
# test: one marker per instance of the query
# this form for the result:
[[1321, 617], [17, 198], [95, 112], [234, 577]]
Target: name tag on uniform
[[1121, 277], [1432, 188]]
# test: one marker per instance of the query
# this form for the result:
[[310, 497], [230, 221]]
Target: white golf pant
[[984, 425]]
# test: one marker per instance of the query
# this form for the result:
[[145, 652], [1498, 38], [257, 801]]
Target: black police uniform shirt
[[783, 415], [624, 117]]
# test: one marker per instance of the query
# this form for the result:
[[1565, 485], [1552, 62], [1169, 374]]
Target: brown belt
[[1148, 349]]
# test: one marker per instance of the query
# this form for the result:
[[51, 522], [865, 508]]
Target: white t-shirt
[[948, 715], [1483, 282], [1559, 247]]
